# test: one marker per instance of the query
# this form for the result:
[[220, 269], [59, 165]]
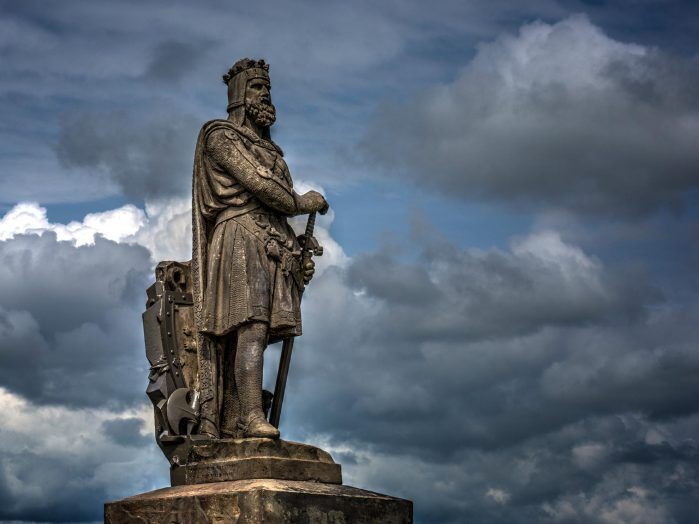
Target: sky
[[504, 325]]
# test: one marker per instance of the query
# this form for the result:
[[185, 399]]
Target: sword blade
[[275, 412], [279, 388]]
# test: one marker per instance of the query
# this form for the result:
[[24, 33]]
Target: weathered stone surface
[[269, 501], [226, 449], [254, 458]]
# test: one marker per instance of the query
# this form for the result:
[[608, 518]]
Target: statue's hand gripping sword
[[309, 248]]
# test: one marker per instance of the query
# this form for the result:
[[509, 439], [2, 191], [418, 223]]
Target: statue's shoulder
[[237, 133], [225, 127]]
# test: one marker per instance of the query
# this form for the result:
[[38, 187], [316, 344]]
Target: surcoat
[[246, 258]]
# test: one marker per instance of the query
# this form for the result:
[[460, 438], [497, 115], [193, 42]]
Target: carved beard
[[261, 113]]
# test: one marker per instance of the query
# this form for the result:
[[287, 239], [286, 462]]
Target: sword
[[309, 247]]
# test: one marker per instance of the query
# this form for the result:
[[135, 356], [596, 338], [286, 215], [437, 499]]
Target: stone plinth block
[[263, 500], [254, 458]]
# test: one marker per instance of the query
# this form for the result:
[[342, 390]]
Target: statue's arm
[[226, 149]]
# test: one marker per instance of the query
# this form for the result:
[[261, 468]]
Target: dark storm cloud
[[174, 60], [571, 475], [540, 332], [559, 115], [56, 466], [330, 62], [542, 281], [531, 384], [87, 62], [146, 151], [51, 475], [71, 350], [69, 321], [126, 432], [71, 343]]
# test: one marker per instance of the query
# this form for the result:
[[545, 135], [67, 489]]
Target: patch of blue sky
[[383, 208], [64, 213]]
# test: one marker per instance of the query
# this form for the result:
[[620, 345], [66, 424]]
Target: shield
[[170, 337]]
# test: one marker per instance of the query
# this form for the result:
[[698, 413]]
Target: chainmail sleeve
[[228, 151]]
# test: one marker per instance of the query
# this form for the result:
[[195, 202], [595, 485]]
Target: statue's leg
[[252, 340], [228, 393], [210, 407]]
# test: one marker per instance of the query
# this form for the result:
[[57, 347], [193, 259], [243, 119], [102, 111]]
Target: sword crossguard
[[310, 246]]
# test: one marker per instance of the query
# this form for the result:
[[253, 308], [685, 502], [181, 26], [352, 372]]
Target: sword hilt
[[309, 245], [310, 225]]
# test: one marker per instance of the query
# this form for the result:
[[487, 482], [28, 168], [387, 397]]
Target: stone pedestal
[[253, 501], [253, 458], [255, 480]]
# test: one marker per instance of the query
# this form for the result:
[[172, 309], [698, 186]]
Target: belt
[[233, 212]]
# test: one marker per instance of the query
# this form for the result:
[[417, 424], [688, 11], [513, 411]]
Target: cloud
[[522, 385], [73, 294], [559, 115], [124, 119], [540, 480], [59, 464], [72, 367], [124, 102], [474, 294], [173, 60], [498, 496], [69, 317], [542, 327], [77, 429], [127, 432], [147, 151], [70, 307], [164, 227], [29, 217], [634, 505]]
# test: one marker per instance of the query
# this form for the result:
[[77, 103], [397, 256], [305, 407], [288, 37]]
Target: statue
[[207, 324], [242, 289], [246, 262]]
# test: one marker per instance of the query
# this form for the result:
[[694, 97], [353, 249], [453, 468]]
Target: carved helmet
[[237, 80]]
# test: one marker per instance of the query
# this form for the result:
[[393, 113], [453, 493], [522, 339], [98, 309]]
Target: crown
[[244, 65]]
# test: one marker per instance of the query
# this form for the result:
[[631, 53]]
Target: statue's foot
[[256, 426], [207, 429]]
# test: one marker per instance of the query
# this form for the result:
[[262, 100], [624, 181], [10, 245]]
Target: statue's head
[[249, 92]]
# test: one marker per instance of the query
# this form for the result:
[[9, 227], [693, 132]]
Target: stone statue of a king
[[247, 272], [207, 324]]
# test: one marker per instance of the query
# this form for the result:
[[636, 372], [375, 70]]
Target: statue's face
[[258, 102], [257, 92]]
